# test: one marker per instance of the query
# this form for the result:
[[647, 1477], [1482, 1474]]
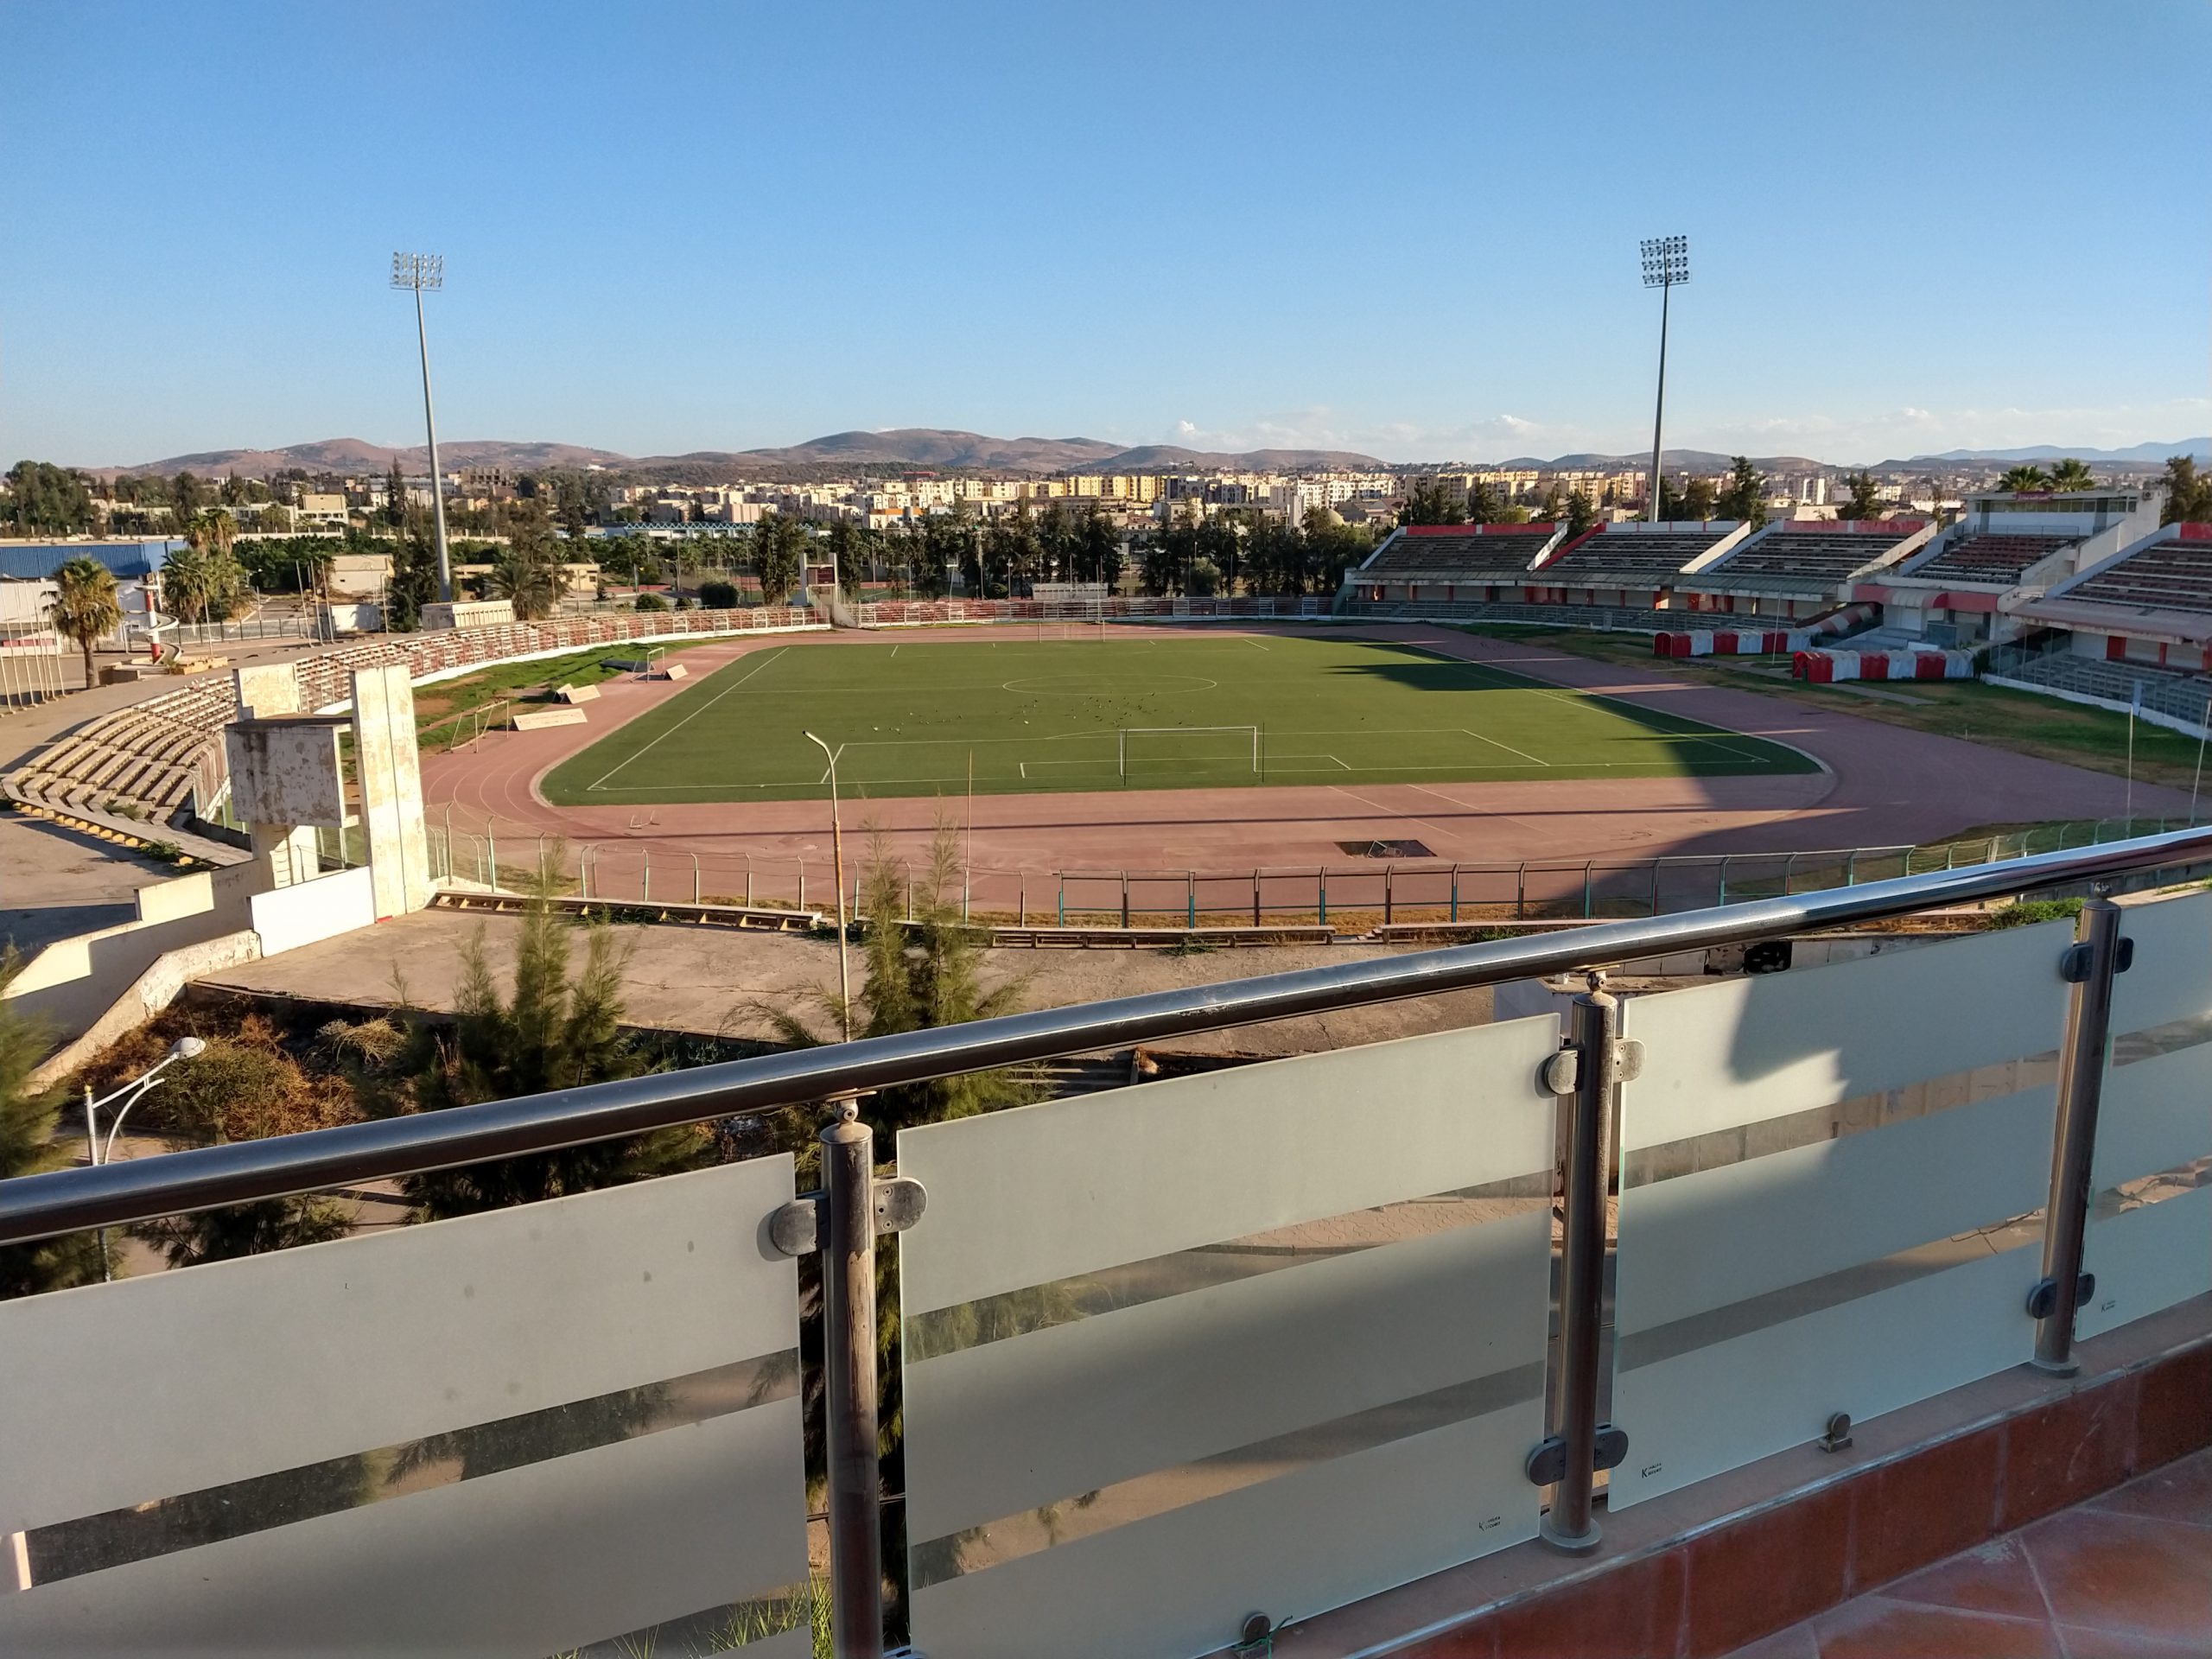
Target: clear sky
[[1406, 229]]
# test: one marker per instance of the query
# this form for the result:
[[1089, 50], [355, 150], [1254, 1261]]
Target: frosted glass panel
[[1267, 1339], [1768, 1047], [1826, 1181], [506, 1434], [2150, 1238]]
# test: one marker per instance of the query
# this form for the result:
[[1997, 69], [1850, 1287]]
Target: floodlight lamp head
[[418, 270], [1666, 261]]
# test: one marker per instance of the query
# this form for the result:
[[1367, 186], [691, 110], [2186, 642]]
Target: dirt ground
[[714, 982]]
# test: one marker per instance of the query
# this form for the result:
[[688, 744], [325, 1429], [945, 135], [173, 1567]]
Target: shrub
[[652, 603], [718, 595], [2025, 913]]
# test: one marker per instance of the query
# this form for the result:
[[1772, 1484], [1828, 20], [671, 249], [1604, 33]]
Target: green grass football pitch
[[1120, 712]]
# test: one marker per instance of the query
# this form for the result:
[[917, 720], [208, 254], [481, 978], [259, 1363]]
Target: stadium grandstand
[[1801, 567], [1634, 565], [1488, 553], [1955, 589], [2137, 625]]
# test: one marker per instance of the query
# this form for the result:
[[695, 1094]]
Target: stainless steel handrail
[[115, 1195]]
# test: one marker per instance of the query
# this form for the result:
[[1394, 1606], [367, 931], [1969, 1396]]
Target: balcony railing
[[1260, 1341]]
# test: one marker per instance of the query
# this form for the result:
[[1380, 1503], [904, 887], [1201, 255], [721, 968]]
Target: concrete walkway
[[716, 983]]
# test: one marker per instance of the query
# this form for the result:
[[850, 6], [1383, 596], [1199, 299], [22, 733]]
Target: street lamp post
[[1666, 262], [837, 873], [418, 271], [183, 1049]]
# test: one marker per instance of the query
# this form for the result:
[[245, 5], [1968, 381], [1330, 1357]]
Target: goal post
[[1069, 601], [1188, 748]]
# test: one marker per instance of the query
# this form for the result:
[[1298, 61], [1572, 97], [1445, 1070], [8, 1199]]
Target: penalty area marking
[[768, 658], [1507, 747]]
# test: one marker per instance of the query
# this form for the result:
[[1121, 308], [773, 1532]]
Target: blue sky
[[1405, 229]]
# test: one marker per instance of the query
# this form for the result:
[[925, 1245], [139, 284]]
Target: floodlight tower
[[1666, 262], [418, 271]]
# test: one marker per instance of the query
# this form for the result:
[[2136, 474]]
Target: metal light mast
[[1666, 262], [418, 271]]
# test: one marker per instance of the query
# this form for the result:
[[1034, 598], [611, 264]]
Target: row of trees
[[2189, 493], [2068, 474]]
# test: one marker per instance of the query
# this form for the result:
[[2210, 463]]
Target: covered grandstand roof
[[1806, 555], [1639, 551], [1505, 550]]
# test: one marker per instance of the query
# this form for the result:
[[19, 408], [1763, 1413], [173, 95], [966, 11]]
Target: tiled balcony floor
[[2125, 1576]]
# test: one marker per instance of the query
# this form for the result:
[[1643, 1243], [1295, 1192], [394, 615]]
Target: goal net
[[1182, 751], [1069, 601]]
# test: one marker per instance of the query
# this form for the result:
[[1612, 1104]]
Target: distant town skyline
[[1912, 229]]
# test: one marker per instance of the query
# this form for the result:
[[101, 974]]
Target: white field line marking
[[766, 659], [1507, 747], [894, 650], [1583, 698]]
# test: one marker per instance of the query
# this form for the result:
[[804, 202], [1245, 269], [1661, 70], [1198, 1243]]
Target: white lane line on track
[[766, 659]]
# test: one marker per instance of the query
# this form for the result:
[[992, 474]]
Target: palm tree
[[85, 607], [528, 582], [2072, 474], [214, 529], [2028, 480]]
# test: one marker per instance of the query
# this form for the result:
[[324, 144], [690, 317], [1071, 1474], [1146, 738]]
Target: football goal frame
[[1063, 602], [1125, 732]]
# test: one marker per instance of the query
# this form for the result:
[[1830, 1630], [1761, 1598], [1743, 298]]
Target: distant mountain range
[[902, 448], [1686, 460], [932, 448], [2156, 454]]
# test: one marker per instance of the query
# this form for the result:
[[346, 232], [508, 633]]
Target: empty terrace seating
[[1820, 555], [2175, 576], [1601, 617], [1991, 558], [1645, 552], [154, 754], [1501, 549], [2169, 691]]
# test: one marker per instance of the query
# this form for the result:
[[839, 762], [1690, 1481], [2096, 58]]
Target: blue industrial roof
[[32, 560]]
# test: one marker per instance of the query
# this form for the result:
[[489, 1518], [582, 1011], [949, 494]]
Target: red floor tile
[[2126, 1573], [1994, 1578], [1875, 1627], [2180, 1492], [2106, 1644], [1796, 1643]]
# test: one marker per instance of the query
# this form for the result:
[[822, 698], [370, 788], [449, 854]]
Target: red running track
[[1881, 785]]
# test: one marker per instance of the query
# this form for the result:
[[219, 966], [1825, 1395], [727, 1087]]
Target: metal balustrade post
[[2098, 954], [849, 1332], [1586, 1073]]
